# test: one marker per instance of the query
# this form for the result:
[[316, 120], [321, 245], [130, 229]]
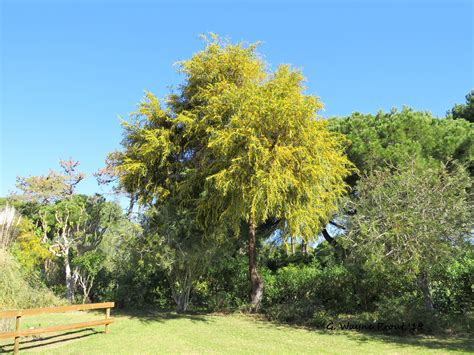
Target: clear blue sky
[[70, 69]]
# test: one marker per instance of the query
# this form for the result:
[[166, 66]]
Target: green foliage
[[414, 217], [325, 290], [224, 286], [125, 278], [18, 290], [28, 249], [391, 139], [69, 226], [90, 262], [175, 243], [453, 286], [136, 283], [296, 292], [413, 228], [291, 294], [464, 111]]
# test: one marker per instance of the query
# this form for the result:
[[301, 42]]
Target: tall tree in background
[[60, 213], [393, 138], [52, 187], [71, 224], [464, 111], [237, 143], [388, 140]]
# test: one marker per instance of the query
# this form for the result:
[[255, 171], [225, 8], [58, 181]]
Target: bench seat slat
[[56, 328]]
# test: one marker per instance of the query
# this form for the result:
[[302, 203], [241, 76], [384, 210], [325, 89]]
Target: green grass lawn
[[167, 332]]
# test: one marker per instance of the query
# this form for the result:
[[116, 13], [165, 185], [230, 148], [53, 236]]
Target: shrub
[[453, 287], [18, 291], [224, 287], [28, 248], [291, 294]]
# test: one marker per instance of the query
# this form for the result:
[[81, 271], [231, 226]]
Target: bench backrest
[[62, 309]]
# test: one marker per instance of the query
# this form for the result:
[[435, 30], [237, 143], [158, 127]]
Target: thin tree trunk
[[425, 289], [304, 247], [86, 284], [133, 199], [69, 278], [256, 283]]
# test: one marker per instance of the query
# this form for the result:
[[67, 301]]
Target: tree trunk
[[328, 237], [182, 302], [133, 199], [425, 289], [69, 278], [256, 283], [304, 247], [181, 292], [340, 251], [86, 283]]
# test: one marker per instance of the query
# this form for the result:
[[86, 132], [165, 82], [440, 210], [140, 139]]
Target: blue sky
[[69, 69]]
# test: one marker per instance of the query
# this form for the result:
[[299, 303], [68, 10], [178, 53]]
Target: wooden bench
[[18, 313]]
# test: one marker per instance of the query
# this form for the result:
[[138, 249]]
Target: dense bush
[[17, 290], [128, 277], [324, 290], [453, 289], [224, 287], [296, 291], [28, 248]]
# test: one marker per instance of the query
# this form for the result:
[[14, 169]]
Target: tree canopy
[[464, 111], [396, 137], [238, 142]]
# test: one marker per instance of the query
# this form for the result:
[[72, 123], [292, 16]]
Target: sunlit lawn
[[167, 332]]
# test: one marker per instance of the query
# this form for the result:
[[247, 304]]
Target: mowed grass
[[167, 332]]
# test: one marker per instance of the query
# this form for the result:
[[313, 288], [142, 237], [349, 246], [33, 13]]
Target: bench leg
[[16, 349], [107, 316]]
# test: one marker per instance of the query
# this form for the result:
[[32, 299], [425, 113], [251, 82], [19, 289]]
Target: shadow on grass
[[161, 315], [31, 343], [146, 316], [433, 342], [437, 342], [464, 343]]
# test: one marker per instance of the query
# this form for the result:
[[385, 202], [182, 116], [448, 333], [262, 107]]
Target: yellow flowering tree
[[237, 142]]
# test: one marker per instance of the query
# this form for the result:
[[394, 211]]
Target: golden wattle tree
[[236, 143]]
